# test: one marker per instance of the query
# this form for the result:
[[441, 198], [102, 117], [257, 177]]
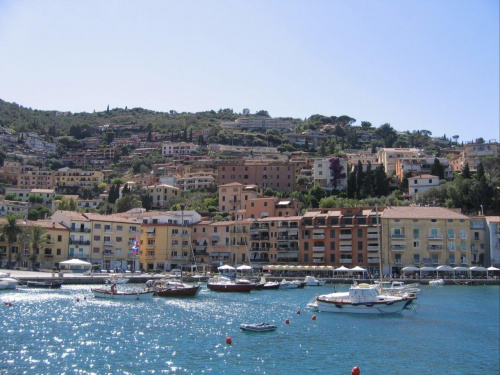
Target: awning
[[479, 269], [411, 269], [445, 268]]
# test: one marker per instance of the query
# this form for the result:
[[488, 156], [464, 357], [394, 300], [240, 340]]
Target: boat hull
[[179, 292], [231, 287], [383, 307], [133, 296], [264, 327]]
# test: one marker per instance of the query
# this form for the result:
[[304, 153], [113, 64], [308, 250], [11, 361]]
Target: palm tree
[[37, 236], [10, 230]]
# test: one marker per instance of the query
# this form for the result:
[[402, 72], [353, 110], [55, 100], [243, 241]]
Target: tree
[[10, 230], [387, 134], [351, 185], [246, 111], [262, 113], [360, 176], [36, 236], [466, 172], [382, 187], [127, 202], [491, 166], [437, 169], [366, 125], [67, 204], [369, 181], [336, 169], [317, 193]]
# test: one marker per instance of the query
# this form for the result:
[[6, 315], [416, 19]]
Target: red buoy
[[287, 321], [8, 303], [228, 340], [355, 370], [314, 317], [298, 312], [85, 298], [78, 300]]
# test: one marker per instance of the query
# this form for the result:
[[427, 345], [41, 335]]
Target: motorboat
[[122, 295], [44, 284], [294, 284], [312, 281], [398, 287], [363, 299], [167, 288], [225, 284], [7, 282], [436, 282], [116, 279], [271, 285], [262, 327]]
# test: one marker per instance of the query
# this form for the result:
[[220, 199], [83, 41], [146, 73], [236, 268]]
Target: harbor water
[[450, 330]]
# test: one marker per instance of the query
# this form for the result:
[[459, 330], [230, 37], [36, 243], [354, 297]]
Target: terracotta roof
[[421, 213], [73, 215], [110, 218], [493, 219]]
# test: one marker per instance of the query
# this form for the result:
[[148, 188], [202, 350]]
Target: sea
[[449, 330]]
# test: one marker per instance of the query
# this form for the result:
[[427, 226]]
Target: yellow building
[[113, 238], [77, 179], [424, 236], [162, 194]]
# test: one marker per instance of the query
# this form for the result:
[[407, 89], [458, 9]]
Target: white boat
[[7, 282], [262, 327], [117, 279], [285, 284], [399, 287], [271, 285], [312, 281], [363, 299], [119, 295], [225, 284], [436, 282]]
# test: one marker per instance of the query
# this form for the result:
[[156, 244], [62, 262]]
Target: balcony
[[474, 251], [80, 230], [435, 248], [318, 248], [108, 253], [345, 261], [398, 236], [318, 261], [373, 248], [435, 236], [373, 261], [346, 248], [345, 236], [79, 242], [398, 248], [108, 230], [372, 235], [318, 236]]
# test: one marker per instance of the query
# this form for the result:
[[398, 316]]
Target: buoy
[[228, 340], [8, 303], [85, 298], [78, 300], [287, 321], [298, 312], [355, 370], [314, 317]]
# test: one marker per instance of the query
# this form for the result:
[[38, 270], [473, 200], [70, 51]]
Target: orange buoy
[[356, 370], [287, 321], [314, 317], [228, 340], [298, 312]]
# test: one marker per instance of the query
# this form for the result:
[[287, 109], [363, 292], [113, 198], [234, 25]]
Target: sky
[[417, 65]]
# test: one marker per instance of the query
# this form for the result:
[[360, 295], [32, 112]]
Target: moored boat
[[122, 295], [436, 282], [7, 282], [167, 288], [294, 284], [225, 284], [116, 279], [44, 284], [262, 327], [271, 285], [312, 281], [363, 299], [398, 287]]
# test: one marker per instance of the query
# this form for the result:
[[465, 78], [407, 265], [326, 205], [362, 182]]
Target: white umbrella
[[461, 269], [479, 269], [358, 269], [426, 269], [411, 269], [493, 269], [342, 269], [244, 268], [445, 268], [226, 267]]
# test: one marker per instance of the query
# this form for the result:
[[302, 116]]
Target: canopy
[[445, 268], [493, 269], [243, 268], [75, 262], [342, 269], [358, 269], [461, 269], [411, 269], [428, 269], [477, 268], [226, 267]]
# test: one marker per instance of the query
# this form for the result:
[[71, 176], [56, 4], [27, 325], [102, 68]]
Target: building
[[493, 241], [270, 207], [112, 240], [233, 196], [80, 230], [178, 148], [36, 180], [341, 237], [424, 236], [389, 156], [419, 184], [73, 180], [162, 194], [478, 241], [278, 176], [323, 175], [196, 180], [257, 122], [419, 166], [474, 152]]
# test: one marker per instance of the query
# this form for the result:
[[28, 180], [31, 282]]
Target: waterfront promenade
[[138, 278]]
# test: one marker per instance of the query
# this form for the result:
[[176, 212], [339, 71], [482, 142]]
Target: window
[[119, 227], [451, 246], [416, 233], [452, 258], [118, 239], [360, 258], [451, 233], [416, 244], [59, 238], [332, 246], [306, 246], [332, 258], [416, 258], [332, 233], [360, 233], [97, 226], [397, 258], [265, 204], [96, 250], [97, 238], [476, 236], [306, 258], [435, 258], [463, 234]]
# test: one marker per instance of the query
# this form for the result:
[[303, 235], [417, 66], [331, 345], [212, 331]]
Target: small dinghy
[[262, 327]]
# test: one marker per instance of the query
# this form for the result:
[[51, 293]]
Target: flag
[[135, 249]]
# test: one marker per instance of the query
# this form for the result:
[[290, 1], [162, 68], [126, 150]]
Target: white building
[[178, 148], [323, 176], [419, 184]]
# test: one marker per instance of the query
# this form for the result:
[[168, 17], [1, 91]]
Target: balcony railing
[[398, 248], [318, 248], [435, 248], [373, 260], [345, 248], [345, 260], [373, 248], [345, 236], [318, 236], [398, 235], [80, 230]]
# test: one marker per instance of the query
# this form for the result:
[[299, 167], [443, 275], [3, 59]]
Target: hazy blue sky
[[427, 64]]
